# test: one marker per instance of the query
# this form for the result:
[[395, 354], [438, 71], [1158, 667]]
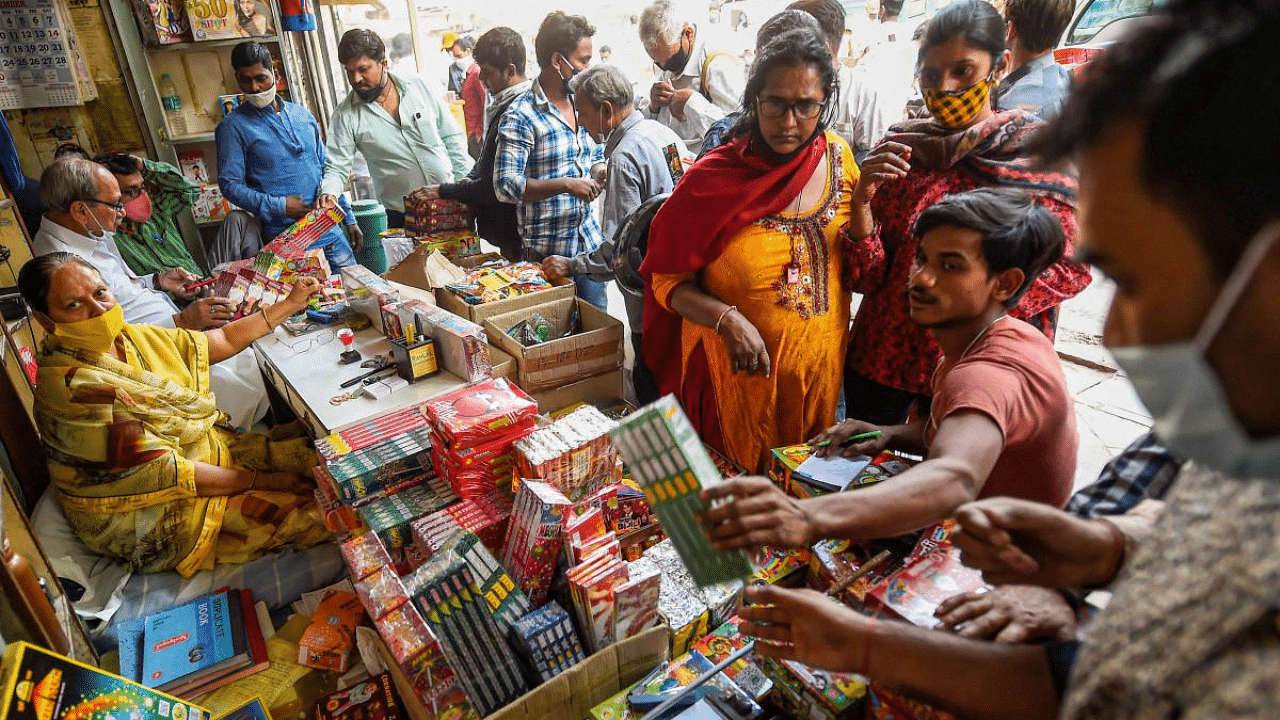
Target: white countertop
[[308, 367]]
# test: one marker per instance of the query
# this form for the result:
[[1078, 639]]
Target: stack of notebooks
[[196, 647]]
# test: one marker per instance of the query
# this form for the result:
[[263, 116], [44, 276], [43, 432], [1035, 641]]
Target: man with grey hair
[[83, 208], [645, 158], [698, 85]]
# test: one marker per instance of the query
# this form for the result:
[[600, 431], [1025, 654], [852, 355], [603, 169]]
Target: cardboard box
[[477, 314], [503, 364], [38, 684], [598, 389], [573, 693], [596, 350]]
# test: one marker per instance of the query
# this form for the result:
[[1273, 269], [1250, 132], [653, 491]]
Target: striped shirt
[[535, 141], [156, 245]]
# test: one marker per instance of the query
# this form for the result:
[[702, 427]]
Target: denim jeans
[[339, 254], [596, 293]]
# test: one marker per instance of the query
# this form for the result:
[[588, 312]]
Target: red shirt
[[473, 94], [887, 346], [1012, 375]]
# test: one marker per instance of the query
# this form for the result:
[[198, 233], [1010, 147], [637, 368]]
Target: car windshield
[[1101, 13]]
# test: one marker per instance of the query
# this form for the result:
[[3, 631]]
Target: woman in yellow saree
[[144, 470]]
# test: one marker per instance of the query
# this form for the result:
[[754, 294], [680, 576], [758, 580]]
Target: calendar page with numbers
[[38, 60]]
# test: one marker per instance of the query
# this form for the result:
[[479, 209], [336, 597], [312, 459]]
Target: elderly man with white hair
[[698, 84], [646, 158], [83, 209]]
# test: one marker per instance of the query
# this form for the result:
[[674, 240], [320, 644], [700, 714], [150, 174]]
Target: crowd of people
[[963, 220]]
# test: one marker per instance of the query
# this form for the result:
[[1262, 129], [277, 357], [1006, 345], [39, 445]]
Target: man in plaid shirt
[[547, 164]]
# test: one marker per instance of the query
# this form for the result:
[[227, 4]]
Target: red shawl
[[726, 190]]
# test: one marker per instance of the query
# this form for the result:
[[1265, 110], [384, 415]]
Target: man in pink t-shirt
[[1002, 421]]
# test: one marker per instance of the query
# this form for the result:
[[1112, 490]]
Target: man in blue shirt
[[546, 163], [1035, 83], [271, 157]]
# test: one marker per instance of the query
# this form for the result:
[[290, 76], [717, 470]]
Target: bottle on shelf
[[172, 103]]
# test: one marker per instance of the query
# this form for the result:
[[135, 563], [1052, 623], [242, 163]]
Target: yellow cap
[[448, 39]]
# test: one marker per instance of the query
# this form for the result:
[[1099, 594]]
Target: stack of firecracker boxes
[[487, 578]]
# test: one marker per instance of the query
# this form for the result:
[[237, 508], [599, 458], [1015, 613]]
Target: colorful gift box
[[423, 217]]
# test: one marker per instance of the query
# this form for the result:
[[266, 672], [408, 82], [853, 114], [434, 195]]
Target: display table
[[305, 370]]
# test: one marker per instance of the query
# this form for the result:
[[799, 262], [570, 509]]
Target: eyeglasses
[[803, 109], [117, 206]]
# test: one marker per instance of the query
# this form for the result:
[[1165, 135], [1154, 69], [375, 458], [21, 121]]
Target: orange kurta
[[804, 325]]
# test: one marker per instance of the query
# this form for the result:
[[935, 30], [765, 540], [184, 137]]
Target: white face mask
[[262, 99], [463, 62], [1185, 396], [602, 138], [102, 232]]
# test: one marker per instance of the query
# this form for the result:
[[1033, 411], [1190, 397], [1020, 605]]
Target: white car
[[1097, 24]]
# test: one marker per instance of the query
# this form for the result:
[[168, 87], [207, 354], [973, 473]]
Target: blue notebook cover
[[130, 648], [186, 639]]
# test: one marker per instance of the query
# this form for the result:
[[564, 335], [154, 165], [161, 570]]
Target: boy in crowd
[[1002, 421]]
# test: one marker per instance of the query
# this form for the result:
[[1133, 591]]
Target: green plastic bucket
[[372, 219]]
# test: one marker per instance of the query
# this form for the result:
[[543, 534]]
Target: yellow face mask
[[956, 109], [97, 334]]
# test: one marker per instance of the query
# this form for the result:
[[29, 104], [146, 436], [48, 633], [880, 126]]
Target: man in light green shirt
[[406, 134]]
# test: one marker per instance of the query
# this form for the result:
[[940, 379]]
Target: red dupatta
[[726, 190]]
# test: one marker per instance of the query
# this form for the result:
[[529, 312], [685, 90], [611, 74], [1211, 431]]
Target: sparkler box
[[42, 685], [671, 465], [370, 432], [547, 640], [533, 538], [454, 609]]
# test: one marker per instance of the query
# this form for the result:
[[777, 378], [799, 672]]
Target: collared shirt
[[1039, 86], [156, 245], [141, 303], [725, 83], [264, 156], [639, 168], [426, 147], [874, 94], [535, 141], [236, 382], [1144, 470]]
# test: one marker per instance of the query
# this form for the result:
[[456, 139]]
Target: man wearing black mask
[[697, 84], [406, 134]]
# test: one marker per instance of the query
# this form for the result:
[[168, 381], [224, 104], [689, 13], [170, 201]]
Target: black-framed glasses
[[127, 194], [117, 206], [803, 109]]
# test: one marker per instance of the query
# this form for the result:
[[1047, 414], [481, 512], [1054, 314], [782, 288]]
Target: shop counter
[[305, 369]]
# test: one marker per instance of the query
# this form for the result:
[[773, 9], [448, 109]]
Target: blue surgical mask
[[1185, 396]]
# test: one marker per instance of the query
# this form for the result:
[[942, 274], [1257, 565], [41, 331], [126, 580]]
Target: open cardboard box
[[571, 694], [596, 350], [597, 389], [477, 314]]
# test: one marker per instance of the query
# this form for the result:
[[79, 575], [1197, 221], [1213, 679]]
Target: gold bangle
[[263, 312], [720, 319], [253, 483]]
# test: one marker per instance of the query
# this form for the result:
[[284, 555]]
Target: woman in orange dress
[[746, 309]]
